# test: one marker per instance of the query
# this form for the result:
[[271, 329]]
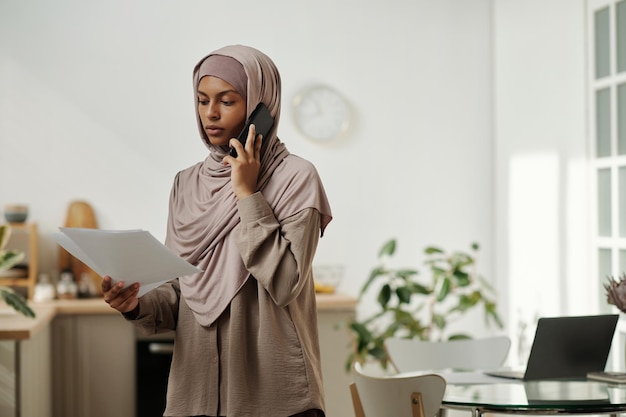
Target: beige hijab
[[203, 208]]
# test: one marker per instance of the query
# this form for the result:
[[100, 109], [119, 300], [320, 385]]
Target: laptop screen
[[570, 347]]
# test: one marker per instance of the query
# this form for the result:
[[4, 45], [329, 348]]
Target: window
[[607, 95]]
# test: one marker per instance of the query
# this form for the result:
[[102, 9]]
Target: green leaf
[[5, 233], [417, 288], [459, 336], [431, 250], [402, 316], [475, 246], [464, 304], [436, 270], [379, 353], [16, 301], [462, 278], [361, 330], [490, 311], [404, 294], [439, 321], [384, 296], [461, 260], [444, 290], [406, 273], [349, 361], [388, 248], [467, 301], [9, 259]]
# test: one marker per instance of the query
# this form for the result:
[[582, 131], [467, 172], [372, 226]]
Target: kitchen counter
[[14, 326], [73, 350]]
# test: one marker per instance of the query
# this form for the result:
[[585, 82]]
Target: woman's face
[[222, 110]]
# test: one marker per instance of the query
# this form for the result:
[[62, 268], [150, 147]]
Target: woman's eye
[[203, 102], [227, 102]]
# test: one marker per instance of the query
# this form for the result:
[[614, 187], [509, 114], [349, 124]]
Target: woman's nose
[[212, 112]]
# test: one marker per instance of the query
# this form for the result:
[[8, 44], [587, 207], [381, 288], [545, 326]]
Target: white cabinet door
[[25, 376], [335, 348]]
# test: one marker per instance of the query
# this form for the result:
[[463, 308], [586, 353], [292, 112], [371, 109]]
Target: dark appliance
[[154, 356]]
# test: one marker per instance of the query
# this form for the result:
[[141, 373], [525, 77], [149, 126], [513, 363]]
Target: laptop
[[567, 348]]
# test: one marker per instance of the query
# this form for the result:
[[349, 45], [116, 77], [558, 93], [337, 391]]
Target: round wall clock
[[321, 113]]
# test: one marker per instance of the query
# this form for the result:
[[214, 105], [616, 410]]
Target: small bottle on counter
[[66, 287], [86, 287], [44, 290]]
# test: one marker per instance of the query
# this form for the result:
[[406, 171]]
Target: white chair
[[396, 396], [408, 355]]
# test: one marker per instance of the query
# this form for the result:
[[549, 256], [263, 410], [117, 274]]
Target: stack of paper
[[125, 255]]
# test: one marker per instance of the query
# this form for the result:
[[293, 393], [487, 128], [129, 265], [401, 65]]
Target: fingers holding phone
[[245, 151], [248, 149], [245, 168]]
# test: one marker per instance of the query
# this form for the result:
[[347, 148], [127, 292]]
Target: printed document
[[125, 255]]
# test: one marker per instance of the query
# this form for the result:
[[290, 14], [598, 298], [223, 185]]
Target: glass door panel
[[620, 28], [605, 261], [603, 123], [604, 202], [602, 42], [621, 119]]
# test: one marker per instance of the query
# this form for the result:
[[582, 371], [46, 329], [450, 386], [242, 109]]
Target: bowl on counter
[[327, 277], [15, 213]]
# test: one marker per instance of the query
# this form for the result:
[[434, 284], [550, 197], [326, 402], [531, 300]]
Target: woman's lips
[[213, 130]]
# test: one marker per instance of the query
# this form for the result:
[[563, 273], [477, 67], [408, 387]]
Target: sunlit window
[[608, 138]]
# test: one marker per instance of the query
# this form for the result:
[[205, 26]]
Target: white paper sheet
[[125, 255]]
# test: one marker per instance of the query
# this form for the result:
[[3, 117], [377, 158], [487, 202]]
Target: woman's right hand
[[122, 299]]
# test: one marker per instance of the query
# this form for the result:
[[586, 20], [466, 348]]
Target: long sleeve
[[158, 309], [278, 255]]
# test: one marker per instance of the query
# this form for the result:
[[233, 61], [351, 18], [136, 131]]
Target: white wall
[[469, 122], [541, 194], [96, 104]]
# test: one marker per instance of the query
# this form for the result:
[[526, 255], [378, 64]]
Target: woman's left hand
[[245, 168]]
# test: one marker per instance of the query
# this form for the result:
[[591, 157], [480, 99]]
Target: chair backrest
[[409, 355], [396, 396]]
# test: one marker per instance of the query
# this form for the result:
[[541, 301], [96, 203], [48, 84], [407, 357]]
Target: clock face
[[321, 113]]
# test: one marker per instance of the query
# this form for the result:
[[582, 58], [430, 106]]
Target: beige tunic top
[[261, 357]]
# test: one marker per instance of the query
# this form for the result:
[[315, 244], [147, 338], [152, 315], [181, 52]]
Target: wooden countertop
[[336, 302], [14, 326]]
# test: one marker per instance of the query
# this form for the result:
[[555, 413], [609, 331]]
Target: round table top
[[580, 396]]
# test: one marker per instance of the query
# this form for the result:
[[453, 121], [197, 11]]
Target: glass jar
[[66, 287], [44, 290]]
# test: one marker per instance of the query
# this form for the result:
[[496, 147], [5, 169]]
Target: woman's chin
[[218, 141]]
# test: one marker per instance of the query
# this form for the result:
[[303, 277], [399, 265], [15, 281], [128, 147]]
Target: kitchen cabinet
[[333, 311], [93, 366], [25, 377], [24, 237]]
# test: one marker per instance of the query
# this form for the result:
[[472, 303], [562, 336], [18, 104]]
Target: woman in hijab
[[246, 339]]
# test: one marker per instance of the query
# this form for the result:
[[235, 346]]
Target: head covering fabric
[[203, 208], [226, 68]]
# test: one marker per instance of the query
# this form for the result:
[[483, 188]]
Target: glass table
[[537, 397]]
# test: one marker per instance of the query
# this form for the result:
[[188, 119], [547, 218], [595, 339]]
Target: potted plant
[[616, 292], [413, 308], [8, 258]]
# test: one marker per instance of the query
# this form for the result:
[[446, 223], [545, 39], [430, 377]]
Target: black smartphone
[[262, 121]]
